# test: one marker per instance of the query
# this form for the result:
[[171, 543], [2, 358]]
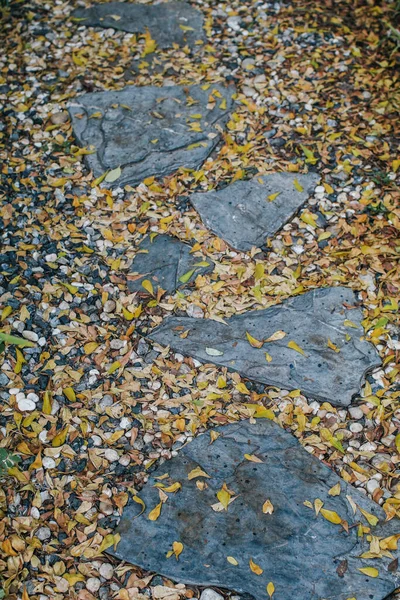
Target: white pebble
[[32, 396], [356, 427], [109, 306], [356, 412], [51, 257], [111, 455], [30, 335], [26, 405], [48, 462], [372, 485], [93, 584], [43, 533], [106, 570], [209, 594]]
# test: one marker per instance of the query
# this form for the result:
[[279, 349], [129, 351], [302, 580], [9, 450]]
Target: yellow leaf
[[318, 504], [149, 44], [370, 571], [224, 496], [295, 346], [69, 394], [174, 487], [333, 346], [372, 520], [60, 438], [270, 589], [310, 158], [47, 403], [127, 314], [232, 560], [73, 578], [278, 335], [297, 185], [268, 357], [395, 165], [268, 507], [114, 367], [255, 568], [348, 323], [214, 435], [197, 472], [328, 188], [259, 271], [141, 503], [221, 382], [242, 388], [331, 516], [155, 513], [109, 540], [309, 218], [253, 342], [335, 490], [90, 347], [148, 286], [253, 458], [273, 197], [177, 548], [260, 412], [186, 28]]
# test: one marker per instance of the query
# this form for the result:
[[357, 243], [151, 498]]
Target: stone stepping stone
[[267, 525], [322, 353], [169, 23], [139, 132], [245, 213], [167, 263]]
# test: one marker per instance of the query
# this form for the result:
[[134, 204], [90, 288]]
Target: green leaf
[[13, 339], [185, 278], [113, 175], [310, 158]]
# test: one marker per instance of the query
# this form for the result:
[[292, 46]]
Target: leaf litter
[[98, 413]]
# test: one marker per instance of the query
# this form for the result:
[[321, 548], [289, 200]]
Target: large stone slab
[[314, 321], [167, 263], [304, 555], [245, 213], [150, 130], [169, 23]]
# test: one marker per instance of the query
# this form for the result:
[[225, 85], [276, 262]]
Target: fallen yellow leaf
[[296, 347], [253, 342], [255, 568], [268, 507], [155, 513]]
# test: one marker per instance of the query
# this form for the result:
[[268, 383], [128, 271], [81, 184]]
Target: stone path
[[139, 132], [168, 23], [315, 344], [246, 212], [167, 263], [250, 508]]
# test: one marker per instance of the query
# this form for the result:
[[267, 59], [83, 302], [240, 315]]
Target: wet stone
[[167, 263], [312, 321], [169, 23], [148, 131], [305, 555], [245, 213]]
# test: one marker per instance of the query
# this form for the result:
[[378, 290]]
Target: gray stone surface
[[309, 320], [302, 553], [147, 130], [164, 261], [244, 216], [166, 22]]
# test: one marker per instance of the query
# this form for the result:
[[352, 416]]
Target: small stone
[[356, 427], [210, 594], [117, 344], [59, 118], [93, 584], [51, 257], [30, 335], [48, 462], [356, 412], [111, 455], [26, 405], [106, 401], [32, 396], [43, 533], [388, 440], [372, 485], [106, 570], [109, 306]]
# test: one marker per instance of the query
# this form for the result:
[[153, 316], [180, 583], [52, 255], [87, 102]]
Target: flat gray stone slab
[[149, 130], [303, 554], [245, 213], [168, 23], [167, 263], [313, 321]]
